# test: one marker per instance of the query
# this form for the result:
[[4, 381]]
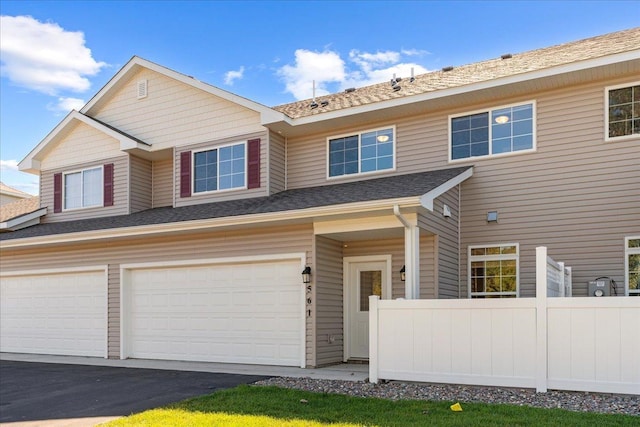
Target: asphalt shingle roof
[[393, 187], [534, 60]]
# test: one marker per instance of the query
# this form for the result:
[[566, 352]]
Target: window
[[493, 271], [218, 169], [498, 131], [364, 152], [632, 265], [623, 111], [83, 189]]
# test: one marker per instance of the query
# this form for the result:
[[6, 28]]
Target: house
[[21, 213], [9, 194], [180, 218]]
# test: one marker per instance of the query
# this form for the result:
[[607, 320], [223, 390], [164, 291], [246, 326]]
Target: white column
[[541, 319], [373, 338], [412, 262]]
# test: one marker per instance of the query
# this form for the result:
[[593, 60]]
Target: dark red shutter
[[253, 163], [57, 193], [108, 185], [185, 174]]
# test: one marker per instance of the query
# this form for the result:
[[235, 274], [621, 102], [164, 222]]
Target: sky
[[55, 55]]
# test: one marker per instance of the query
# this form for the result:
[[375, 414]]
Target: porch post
[[412, 262]]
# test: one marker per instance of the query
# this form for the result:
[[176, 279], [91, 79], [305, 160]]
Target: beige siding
[[202, 245], [174, 113], [120, 189], [140, 184], [113, 312], [82, 144], [277, 163], [329, 334], [162, 183], [222, 195]]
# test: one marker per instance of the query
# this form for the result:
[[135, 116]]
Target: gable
[[81, 143], [172, 112]]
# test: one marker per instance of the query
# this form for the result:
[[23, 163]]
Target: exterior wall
[[82, 144], [202, 245], [162, 176], [277, 163], [227, 194], [140, 184], [328, 296], [173, 113], [120, 192]]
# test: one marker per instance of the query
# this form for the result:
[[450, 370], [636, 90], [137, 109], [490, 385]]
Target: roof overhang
[[31, 163], [612, 66], [23, 221]]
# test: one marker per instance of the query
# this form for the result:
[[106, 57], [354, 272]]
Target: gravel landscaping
[[572, 401]]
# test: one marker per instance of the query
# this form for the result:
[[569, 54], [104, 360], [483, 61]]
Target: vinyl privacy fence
[[584, 344]]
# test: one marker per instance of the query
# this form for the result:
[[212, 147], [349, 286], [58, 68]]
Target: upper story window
[[493, 271], [632, 265], [221, 168], [623, 111], [364, 152], [492, 132], [83, 189]]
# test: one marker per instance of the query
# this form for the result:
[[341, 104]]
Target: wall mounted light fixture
[[403, 274], [306, 275], [492, 216]]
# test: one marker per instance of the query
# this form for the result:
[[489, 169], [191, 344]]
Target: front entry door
[[365, 278]]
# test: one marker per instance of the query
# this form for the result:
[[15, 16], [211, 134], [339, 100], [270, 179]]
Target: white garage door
[[234, 313], [55, 313]]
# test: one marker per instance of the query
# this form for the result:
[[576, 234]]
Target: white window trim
[[628, 251], [359, 134], [218, 147], [515, 256], [607, 138], [534, 135], [64, 181]]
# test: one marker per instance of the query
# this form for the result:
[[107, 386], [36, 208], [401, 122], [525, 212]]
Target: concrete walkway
[[343, 371]]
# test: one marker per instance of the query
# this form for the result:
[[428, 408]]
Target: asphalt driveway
[[47, 392]]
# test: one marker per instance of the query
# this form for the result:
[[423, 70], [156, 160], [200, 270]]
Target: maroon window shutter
[[253, 163], [57, 193], [185, 174], [108, 185]]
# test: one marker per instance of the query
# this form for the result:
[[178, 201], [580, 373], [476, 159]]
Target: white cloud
[[44, 56], [230, 76], [328, 68], [8, 165], [64, 105]]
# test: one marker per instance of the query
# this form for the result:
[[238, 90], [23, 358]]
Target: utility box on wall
[[600, 287]]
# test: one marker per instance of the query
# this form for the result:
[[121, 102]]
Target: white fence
[[584, 344], [558, 278]]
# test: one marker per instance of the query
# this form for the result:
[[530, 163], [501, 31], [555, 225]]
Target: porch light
[[403, 275], [306, 275]]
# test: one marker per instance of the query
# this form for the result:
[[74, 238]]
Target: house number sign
[[309, 301]]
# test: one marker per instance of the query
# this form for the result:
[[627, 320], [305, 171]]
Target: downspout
[[411, 259]]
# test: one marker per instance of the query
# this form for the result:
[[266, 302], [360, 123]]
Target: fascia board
[[173, 227], [426, 200], [22, 220], [491, 84]]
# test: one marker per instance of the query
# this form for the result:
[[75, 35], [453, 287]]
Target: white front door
[[365, 278]]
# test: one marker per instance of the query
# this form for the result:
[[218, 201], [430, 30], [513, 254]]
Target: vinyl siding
[[222, 195], [173, 113], [329, 336], [82, 144], [140, 184], [120, 192], [113, 311], [202, 245], [277, 163], [162, 183]]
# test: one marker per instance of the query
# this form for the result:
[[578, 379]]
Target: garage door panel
[[244, 313], [62, 313]]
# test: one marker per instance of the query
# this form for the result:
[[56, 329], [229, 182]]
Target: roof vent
[[349, 90], [313, 105], [397, 88], [142, 89], [324, 103], [506, 56], [449, 68]]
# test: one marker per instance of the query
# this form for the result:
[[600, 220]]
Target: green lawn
[[272, 406]]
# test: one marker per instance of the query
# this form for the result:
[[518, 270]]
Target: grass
[[252, 406]]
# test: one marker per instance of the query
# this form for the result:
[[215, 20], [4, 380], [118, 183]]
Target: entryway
[[363, 276]]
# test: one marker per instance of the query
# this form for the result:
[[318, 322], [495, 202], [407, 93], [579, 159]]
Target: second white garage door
[[233, 313]]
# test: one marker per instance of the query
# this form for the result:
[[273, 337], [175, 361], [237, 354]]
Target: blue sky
[[56, 54]]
